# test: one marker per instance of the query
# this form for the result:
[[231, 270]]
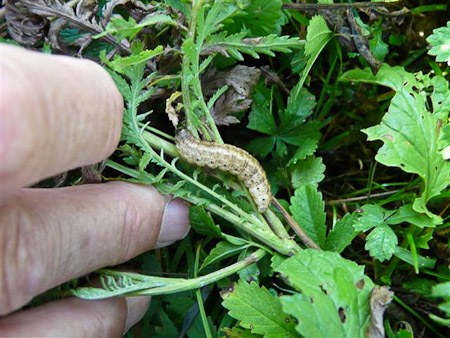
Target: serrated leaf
[[119, 64], [236, 44], [260, 118], [261, 146], [307, 172], [308, 210], [167, 328], [381, 242], [409, 131], [123, 29], [342, 234], [331, 287], [440, 43], [257, 309], [222, 251], [378, 47], [300, 106], [372, 216], [203, 223], [260, 17]]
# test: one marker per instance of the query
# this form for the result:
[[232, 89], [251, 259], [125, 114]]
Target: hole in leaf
[[360, 284], [342, 315]]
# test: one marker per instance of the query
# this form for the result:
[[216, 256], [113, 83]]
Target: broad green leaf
[[307, 172], [317, 36], [261, 146], [300, 105], [406, 213], [261, 118], [381, 242], [237, 332], [440, 43], [203, 223], [342, 233], [308, 210], [377, 46], [409, 132], [331, 287], [167, 328], [409, 135], [420, 286], [257, 309], [301, 135], [221, 251]]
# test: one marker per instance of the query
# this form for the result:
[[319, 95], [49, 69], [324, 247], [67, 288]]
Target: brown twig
[[339, 6], [293, 224], [361, 198]]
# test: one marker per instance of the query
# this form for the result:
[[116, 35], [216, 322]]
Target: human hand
[[59, 113]]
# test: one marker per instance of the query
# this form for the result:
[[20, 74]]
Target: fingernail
[[137, 307], [175, 224]]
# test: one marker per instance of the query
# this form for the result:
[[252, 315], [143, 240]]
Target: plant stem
[[293, 224]]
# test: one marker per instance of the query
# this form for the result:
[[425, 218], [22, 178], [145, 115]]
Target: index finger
[[57, 113]]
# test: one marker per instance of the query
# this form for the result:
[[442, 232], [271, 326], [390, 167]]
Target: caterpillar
[[227, 158]]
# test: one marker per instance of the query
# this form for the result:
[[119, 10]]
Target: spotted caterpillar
[[227, 158]]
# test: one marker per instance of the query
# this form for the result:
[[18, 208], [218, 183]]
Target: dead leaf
[[379, 300], [23, 26], [172, 112], [241, 81]]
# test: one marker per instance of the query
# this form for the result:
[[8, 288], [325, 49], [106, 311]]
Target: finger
[[50, 236], [74, 317], [57, 113]]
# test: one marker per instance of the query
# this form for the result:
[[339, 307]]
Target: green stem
[[181, 284], [415, 314], [198, 294]]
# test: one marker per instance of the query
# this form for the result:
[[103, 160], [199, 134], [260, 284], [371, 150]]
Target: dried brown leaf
[[23, 26], [241, 80], [380, 298]]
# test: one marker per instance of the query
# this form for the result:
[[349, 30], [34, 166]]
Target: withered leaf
[[379, 300], [241, 81], [23, 26]]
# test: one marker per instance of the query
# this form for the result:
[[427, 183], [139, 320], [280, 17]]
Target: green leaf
[[307, 208], [440, 43], [409, 132], [124, 29], [234, 45], [167, 328], [420, 286], [317, 37], [331, 287], [300, 106], [377, 46], [261, 17], [408, 257], [307, 172], [406, 213], [261, 146], [381, 242], [342, 233], [261, 118], [221, 251], [119, 64], [203, 223], [372, 216], [442, 290], [257, 309]]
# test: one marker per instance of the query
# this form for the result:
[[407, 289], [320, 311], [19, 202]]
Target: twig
[[339, 6], [293, 224], [361, 198]]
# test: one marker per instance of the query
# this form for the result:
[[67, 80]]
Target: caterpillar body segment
[[227, 158]]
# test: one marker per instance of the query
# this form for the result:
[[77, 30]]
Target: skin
[[60, 113]]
